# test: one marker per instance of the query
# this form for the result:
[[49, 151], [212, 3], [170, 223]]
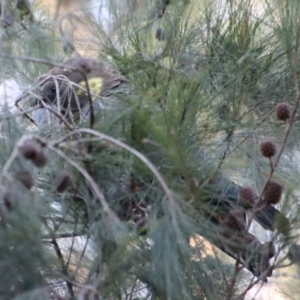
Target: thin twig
[[64, 268], [288, 131], [237, 269], [246, 137], [143, 158], [81, 257], [86, 175], [63, 235], [14, 155]]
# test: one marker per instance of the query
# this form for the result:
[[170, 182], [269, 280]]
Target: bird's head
[[71, 87], [62, 93]]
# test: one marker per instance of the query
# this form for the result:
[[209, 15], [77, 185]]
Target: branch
[[139, 155]]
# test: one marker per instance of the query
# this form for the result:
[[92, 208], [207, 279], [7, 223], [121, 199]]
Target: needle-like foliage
[[164, 184]]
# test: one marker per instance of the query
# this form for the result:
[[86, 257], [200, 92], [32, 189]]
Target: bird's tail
[[253, 255], [271, 218]]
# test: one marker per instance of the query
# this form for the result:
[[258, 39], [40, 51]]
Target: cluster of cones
[[234, 237]]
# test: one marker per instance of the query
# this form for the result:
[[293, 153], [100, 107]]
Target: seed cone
[[40, 158], [33, 153], [28, 149], [247, 197], [62, 181], [283, 111], [268, 149], [273, 192]]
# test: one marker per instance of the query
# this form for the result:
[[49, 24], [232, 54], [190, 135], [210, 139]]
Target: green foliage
[[142, 197]]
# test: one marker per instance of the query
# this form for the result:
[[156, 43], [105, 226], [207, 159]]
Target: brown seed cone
[[235, 220], [62, 181], [25, 177], [247, 197], [40, 158], [268, 149], [28, 149], [273, 192], [283, 111]]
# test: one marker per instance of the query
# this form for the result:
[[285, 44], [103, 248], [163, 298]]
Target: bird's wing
[[226, 193]]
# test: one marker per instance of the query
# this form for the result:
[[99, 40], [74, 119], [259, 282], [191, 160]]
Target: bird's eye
[[53, 89]]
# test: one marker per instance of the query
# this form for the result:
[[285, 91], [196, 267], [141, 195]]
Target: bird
[[226, 209], [66, 87], [72, 85], [226, 195], [223, 219]]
